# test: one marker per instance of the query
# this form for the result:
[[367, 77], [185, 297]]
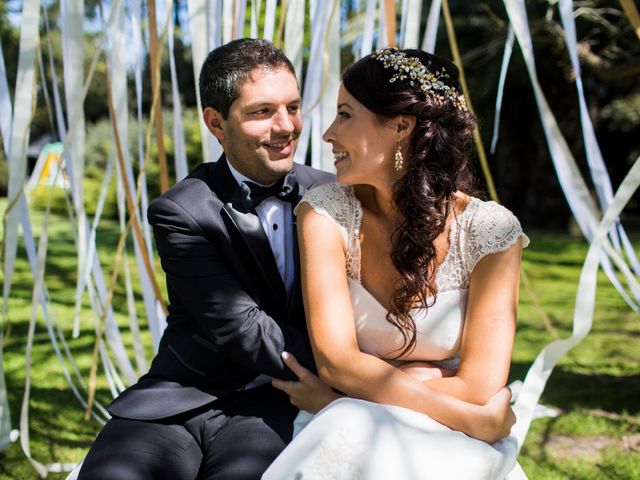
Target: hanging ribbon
[[410, 30], [155, 54], [595, 161], [431, 32], [269, 20], [506, 58], [539, 373], [573, 185], [179, 149], [17, 157], [294, 35], [201, 43], [369, 26]]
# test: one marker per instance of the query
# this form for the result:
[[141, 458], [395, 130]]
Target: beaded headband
[[430, 81]]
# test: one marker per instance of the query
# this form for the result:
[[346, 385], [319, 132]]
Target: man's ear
[[406, 124], [214, 122]]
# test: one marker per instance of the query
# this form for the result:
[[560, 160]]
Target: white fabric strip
[[255, 9], [573, 185], [57, 102], [240, 18], [227, 20], [5, 106], [596, 163], [294, 35], [5, 131], [543, 365], [269, 20], [72, 13], [431, 32], [411, 23], [383, 40], [332, 85], [369, 26], [179, 149], [138, 55], [201, 43], [17, 157], [311, 97], [35, 300], [506, 58]]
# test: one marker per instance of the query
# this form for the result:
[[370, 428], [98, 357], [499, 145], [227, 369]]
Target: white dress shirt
[[277, 223]]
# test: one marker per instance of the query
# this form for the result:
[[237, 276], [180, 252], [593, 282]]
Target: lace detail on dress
[[339, 203], [481, 229]]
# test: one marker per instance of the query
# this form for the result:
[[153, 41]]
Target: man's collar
[[240, 178]]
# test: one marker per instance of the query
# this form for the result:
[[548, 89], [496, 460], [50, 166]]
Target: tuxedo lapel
[[248, 225]]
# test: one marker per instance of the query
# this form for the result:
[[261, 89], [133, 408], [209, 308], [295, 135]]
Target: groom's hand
[[309, 393]]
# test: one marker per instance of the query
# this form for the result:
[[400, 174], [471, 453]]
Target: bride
[[410, 286]]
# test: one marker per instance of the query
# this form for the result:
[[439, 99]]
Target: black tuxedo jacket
[[229, 314]]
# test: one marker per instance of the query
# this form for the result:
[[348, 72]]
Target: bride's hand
[[496, 418], [309, 393]]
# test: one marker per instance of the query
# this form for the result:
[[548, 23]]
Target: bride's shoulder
[[491, 224], [330, 197]]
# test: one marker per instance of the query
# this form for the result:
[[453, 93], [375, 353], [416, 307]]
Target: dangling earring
[[398, 164]]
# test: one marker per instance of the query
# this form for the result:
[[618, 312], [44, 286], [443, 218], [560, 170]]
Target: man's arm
[[225, 314]]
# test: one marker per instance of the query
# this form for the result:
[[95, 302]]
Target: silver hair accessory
[[411, 68]]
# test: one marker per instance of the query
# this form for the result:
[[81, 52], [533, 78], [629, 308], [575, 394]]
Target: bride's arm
[[340, 362], [489, 329]]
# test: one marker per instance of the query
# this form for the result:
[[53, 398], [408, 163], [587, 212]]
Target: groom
[[227, 241]]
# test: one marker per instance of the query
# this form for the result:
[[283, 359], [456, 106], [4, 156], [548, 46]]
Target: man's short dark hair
[[227, 67]]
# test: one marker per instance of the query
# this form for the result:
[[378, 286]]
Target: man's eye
[[262, 111], [343, 114], [294, 108]]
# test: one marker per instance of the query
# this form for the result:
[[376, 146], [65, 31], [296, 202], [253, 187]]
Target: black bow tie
[[285, 189]]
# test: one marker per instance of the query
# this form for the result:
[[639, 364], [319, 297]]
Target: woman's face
[[363, 147]]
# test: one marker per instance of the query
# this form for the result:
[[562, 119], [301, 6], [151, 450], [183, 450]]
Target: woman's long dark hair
[[436, 167]]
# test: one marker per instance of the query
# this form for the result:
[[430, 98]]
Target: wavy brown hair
[[436, 166]]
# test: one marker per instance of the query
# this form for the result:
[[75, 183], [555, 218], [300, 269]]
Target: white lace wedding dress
[[355, 439]]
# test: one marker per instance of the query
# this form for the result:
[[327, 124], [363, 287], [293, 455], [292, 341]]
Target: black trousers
[[234, 438]]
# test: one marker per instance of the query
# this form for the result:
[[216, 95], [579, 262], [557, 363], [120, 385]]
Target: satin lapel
[[250, 228]]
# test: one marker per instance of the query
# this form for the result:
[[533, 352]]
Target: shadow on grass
[[569, 390]]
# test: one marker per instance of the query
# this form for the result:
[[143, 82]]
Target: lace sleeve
[[491, 229], [331, 200]]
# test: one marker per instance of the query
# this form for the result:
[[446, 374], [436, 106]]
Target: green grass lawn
[[596, 388]]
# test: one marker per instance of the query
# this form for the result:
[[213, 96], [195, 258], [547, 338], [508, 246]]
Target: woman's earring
[[399, 161]]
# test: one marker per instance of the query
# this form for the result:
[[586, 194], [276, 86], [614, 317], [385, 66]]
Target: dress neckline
[[357, 251]]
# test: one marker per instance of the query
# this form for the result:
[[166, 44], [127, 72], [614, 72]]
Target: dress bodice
[[481, 229]]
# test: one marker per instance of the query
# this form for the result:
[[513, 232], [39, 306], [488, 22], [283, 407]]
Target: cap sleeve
[[334, 201], [491, 229]]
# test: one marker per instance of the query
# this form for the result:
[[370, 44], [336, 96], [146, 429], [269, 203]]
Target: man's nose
[[284, 122]]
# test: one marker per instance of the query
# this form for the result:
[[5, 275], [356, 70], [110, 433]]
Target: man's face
[[260, 134]]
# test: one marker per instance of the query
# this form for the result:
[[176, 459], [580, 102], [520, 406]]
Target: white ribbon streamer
[[294, 35], [179, 149], [595, 161], [506, 58], [411, 15], [204, 37], [17, 157], [543, 365], [269, 20], [431, 32], [369, 26], [573, 185], [5, 106]]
